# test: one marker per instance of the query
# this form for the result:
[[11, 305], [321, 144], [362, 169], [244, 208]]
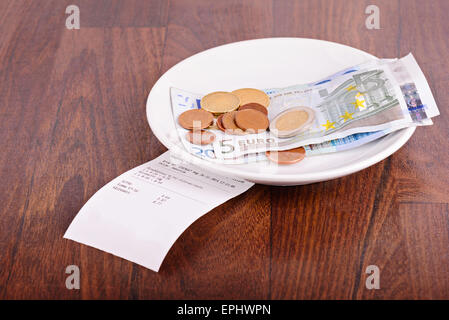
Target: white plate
[[265, 63]]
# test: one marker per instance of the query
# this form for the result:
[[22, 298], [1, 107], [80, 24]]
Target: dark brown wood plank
[[119, 13], [94, 110], [75, 98], [410, 251], [320, 233], [340, 22], [27, 58], [422, 164], [195, 26]]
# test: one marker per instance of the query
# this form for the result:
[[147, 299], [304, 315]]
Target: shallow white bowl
[[265, 63]]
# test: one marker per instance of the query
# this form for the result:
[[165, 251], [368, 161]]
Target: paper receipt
[[140, 214]]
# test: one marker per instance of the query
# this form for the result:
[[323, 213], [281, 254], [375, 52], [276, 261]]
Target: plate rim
[[303, 178]]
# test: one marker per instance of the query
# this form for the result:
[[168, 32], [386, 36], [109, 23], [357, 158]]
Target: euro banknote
[[380, 95]]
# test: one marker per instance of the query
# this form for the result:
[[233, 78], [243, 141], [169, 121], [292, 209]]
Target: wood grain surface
[[72, 114]]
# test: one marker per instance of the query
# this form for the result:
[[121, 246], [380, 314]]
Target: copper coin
[[220, 123], [200, 137], [251, 120], [255, 106], [195, 118], [228, 122], [287, 156]]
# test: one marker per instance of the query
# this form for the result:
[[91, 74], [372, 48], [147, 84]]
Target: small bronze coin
[[228, 122], [195, 119], [254, 106], [287, 156], [220, 123], [251, 120], [200, 137]]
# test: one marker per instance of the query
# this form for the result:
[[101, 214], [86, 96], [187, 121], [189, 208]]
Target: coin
[[228, 122], [195, 118], [220, 102], [292, 122], [287, 156], [255, 106], [200, 137], [249, 95], [220, 123], [251, 120]]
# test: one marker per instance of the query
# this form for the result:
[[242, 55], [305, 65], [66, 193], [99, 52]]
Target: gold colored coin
[[250, 95], [220, 102], [292, 120]]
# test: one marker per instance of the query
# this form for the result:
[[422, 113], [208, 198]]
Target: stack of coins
[[238, 112], [245, 111]]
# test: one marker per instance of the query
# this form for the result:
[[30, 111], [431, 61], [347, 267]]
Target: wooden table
[[72, 114]]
